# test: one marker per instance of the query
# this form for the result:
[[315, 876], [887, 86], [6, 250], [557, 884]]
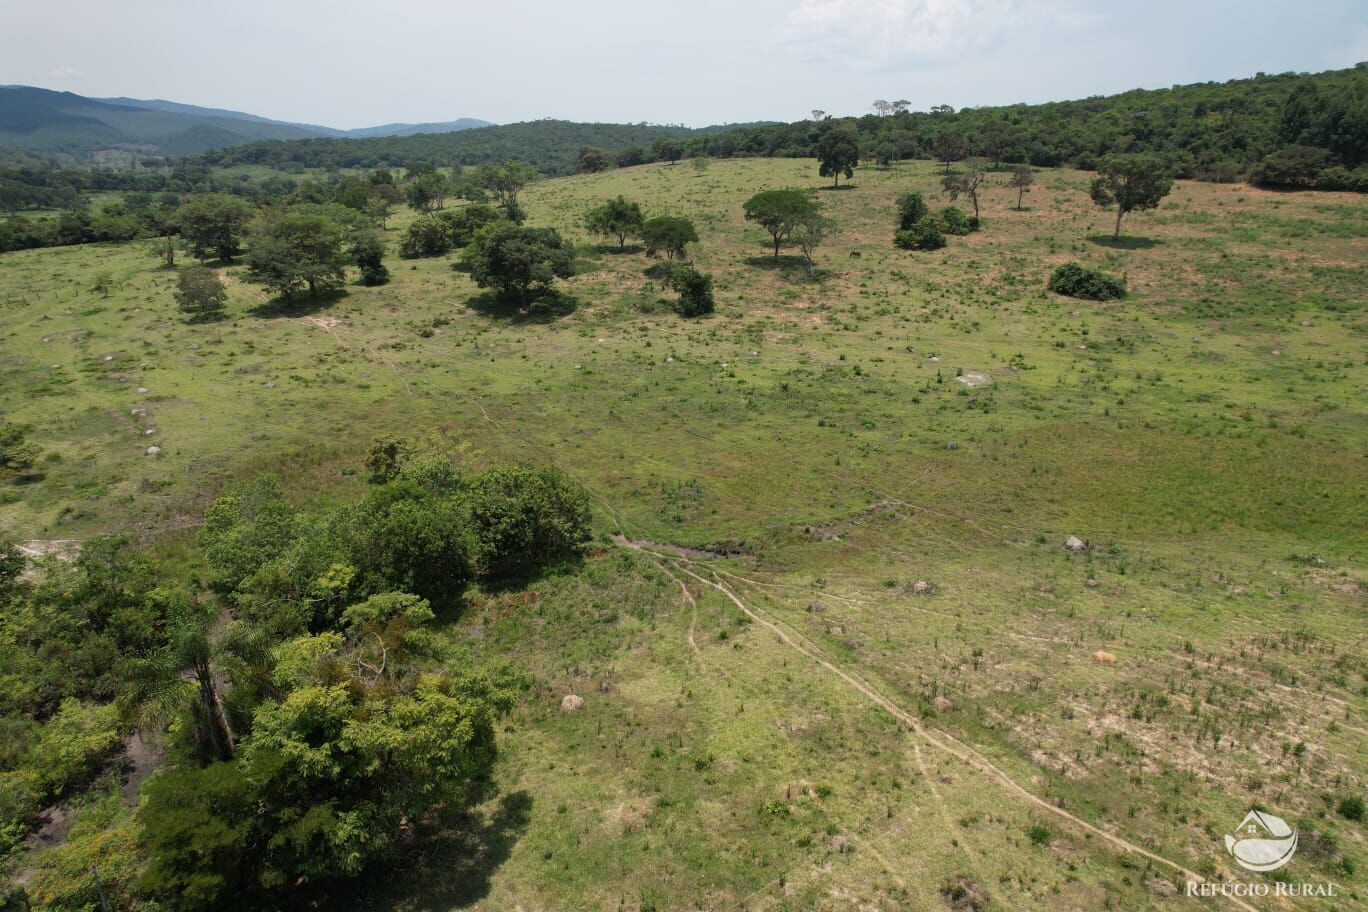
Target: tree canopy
[[1130, 183], [517, 260], [778, 211]]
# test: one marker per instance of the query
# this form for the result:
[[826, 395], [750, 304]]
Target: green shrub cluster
[[1075, 281]]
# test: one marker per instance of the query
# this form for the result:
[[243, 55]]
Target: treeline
[[313, 721], [550, 146], [1306, 130], [1285, 130]]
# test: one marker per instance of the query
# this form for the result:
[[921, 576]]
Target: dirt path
[[940, 740]]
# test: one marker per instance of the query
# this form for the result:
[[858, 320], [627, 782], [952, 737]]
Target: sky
[[347, 63]]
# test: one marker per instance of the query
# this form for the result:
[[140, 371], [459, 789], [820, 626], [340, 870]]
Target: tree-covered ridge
[[551, 146], [1266, 127], [1209, 131]]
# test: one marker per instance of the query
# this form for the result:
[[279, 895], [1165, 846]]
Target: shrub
[[426, 237], [1075, 281], [924, 235], [1351, 807], [1039, 834], [695, 291], [911, 209], [524, 516], [200, 293], [953, 220]]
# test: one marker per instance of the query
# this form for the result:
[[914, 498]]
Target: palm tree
[[190, 673]]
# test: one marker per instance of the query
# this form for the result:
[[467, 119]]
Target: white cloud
[[900, 33]]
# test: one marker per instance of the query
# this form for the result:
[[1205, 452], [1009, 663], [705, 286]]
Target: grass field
[[799, 725]]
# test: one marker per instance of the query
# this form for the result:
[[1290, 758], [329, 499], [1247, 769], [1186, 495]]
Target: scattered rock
[[142, 389], [572, 703], [1091, 583], [835, 630], [1275, 353], [839, 844], [154, 451], [111, 357], [974, 379], [669, 360], [1075, 544], [942, 704], [270, 386], [921, 587], [933, 359], [1306, 322], [816, 608], [1104, 658], [149, 432]]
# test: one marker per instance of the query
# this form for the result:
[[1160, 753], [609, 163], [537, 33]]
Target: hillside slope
[[42, 121]]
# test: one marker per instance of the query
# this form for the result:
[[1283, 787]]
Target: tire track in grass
[[949, 744]]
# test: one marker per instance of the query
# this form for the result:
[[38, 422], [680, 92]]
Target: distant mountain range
[[44, 122]]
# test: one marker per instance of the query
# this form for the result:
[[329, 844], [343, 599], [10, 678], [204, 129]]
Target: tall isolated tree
[[1131, 183], [671, 234], [200, 293], [213, 225], [505, 182], [618, 218], [295, 252], [1022, 178], [966, 182], [838, 152], [949, 146], [778, 211], [882, 108]]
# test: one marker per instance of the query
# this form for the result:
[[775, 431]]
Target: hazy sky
[[347, 63]]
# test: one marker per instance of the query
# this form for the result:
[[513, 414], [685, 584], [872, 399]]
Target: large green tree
[[295, 252], [506, 182], [838, 153], [1131, 183], [214, 225], [618, 218], [778, 211], [517, 260], [426, 191], [200, 293], [670, 234]]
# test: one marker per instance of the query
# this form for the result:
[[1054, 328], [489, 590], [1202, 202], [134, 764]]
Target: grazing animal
[[854, 254], [1104, 658]]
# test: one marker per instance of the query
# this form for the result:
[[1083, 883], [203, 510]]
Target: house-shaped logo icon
[[1262, 842]]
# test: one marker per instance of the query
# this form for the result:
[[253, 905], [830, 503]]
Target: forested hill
[[552, 146], [1289, 129]]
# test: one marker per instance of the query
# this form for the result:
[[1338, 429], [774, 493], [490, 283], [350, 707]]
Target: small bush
[[1039, 834], [695, 291], [1075, 281], [924, 235], [1351, 807]]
